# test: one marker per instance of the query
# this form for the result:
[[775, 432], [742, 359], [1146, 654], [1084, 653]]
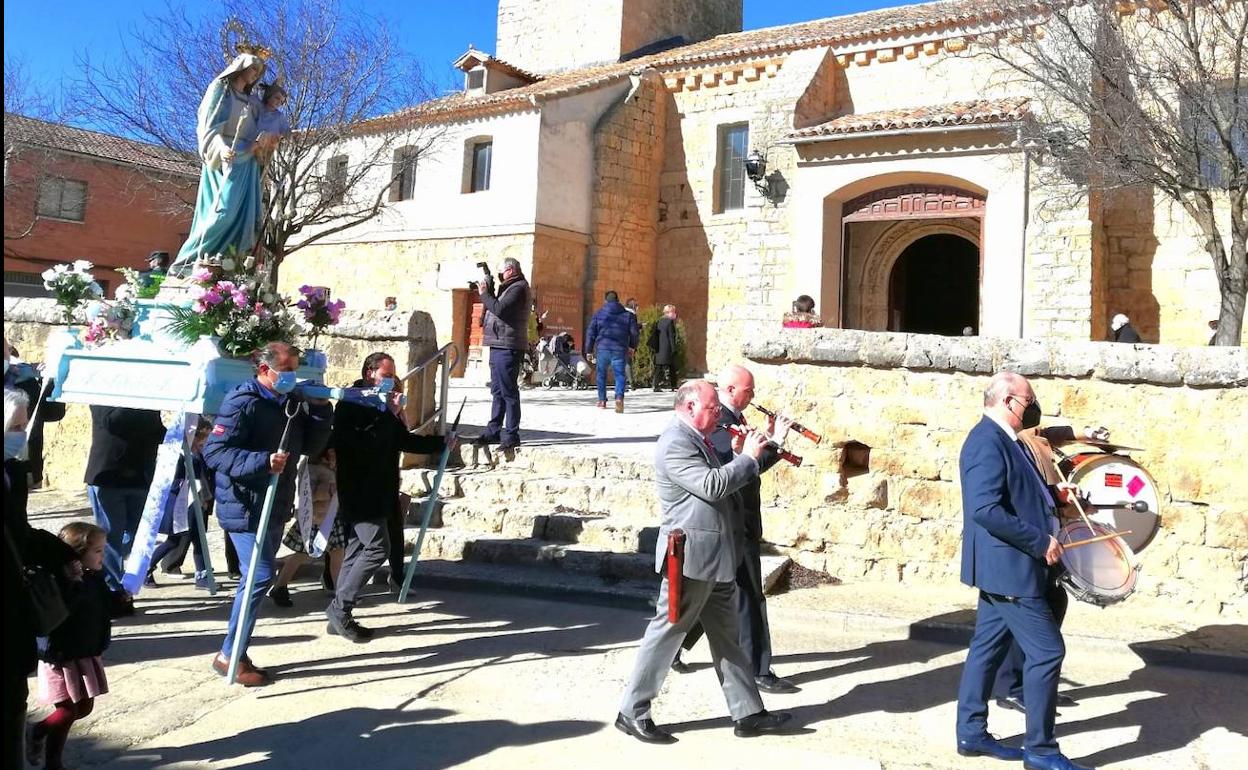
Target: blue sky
[[47, 35]]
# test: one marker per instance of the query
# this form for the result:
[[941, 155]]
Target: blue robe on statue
[[228, 207]]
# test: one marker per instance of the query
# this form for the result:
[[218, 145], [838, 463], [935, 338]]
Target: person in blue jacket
[[1008, 521], [612, 337], [242, 451]]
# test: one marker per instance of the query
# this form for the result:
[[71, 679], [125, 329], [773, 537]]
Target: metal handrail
[[447, 358]]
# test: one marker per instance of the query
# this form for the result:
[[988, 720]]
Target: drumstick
[[1096, 539], [1074, 498]]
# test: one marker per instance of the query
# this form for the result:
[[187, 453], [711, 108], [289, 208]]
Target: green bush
[[643, 362]]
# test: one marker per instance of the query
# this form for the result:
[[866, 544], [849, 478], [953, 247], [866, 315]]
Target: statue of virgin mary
[[228, 206]]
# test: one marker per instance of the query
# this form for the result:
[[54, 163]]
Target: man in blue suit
[[1007, 547]]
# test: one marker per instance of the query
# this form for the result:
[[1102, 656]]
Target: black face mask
[[501, 279], [1031, 415]]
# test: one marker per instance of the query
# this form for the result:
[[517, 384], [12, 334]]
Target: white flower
[[82, 266], [249, 264], [227, 264], [124, 293], [48, 276], [60, 269]]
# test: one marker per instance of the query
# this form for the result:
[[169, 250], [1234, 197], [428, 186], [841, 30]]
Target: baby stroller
[[558, 366]]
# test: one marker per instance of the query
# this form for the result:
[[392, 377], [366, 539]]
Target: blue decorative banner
[[161, 495]]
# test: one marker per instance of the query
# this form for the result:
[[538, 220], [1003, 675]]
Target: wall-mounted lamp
[[756, 170]]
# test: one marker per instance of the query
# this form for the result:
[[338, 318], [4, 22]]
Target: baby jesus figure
[[272, 123]]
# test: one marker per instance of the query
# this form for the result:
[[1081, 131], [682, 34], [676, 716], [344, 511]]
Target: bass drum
[[1101, 573], [1122, 494]]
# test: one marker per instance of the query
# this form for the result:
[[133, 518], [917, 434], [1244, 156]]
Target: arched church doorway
[[934, 287]]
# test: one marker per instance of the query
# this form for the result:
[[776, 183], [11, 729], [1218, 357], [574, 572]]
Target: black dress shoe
[[1066, 701], [681, 667], [1012, 703], [774, 684], [763, 723], [987, 746], [644, 730]]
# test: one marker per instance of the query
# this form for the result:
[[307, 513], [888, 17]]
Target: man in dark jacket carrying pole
[[368, 442], [242, 450], [612, 338], [506, 327]]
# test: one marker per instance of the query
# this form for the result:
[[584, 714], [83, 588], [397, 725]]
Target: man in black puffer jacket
[[242, 451], [506, 327], [368, 442]]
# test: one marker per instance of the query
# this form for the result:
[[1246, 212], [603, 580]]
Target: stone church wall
[[912, 399]]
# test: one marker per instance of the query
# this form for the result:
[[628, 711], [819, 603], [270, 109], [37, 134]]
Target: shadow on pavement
[[1172, 711], [353, 737]]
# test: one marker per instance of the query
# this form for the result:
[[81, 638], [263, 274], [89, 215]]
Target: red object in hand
[[785, 454], [675, 572]]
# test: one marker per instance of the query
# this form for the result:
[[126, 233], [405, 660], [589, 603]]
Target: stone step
[[554, 524], [628, 500], [533, 582], [452, 544], [552, 461]]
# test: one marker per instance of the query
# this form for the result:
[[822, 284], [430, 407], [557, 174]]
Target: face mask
[[1031, 415], [285, 382], [14, 444], [501, 278], [386, 384]]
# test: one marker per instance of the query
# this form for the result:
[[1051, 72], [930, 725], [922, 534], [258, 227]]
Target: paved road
[[482, 681]]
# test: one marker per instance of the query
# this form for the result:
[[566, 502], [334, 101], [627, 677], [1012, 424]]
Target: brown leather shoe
[[602, 404], [619, 406], [247, 674]]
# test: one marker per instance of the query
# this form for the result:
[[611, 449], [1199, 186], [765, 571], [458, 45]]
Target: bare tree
[[1144, 94], [340, 69]]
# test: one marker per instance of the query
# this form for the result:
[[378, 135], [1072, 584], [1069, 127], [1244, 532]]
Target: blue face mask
[[14, 444], [386, 384], [285, 382]]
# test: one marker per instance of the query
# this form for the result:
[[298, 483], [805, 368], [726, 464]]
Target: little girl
[[71, 673]]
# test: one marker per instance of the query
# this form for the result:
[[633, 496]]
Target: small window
[[1211, 152], [733, 141], [482, 152], [63, 199], [335, 178], [476, 79], [403, 179]]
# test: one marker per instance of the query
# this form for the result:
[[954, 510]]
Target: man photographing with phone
[[506, 333]]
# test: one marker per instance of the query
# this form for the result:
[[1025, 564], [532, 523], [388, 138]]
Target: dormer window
[[483, 74]]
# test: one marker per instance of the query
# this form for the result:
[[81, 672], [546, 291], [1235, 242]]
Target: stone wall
[[912, 399], [408, 336], [628, 147]]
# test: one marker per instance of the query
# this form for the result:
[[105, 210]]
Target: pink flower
[[201, 275], [198, 306], [240, 298], [212, 297]]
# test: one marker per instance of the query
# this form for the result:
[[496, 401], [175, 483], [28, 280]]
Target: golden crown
[[260, 51]]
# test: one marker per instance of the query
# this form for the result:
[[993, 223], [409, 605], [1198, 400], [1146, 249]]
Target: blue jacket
[[1005, 515], [613, 328], [247, 430]]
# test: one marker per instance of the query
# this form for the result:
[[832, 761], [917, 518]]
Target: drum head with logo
[[1123, 496], [1101, 573]]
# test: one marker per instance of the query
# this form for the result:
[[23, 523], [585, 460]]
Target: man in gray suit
[[699, 496]]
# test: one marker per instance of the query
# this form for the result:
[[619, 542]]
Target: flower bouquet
[[71, 286], [318, 311], [144, 286], [236, 306]]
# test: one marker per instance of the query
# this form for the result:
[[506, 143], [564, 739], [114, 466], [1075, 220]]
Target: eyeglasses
[[1029, 400]]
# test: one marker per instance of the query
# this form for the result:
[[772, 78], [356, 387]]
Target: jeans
[[614, 360], [118, 511], [505, 416], [245, 543]]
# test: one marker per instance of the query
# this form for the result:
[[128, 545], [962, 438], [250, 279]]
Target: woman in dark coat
[[664, 346], [33, 547]]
